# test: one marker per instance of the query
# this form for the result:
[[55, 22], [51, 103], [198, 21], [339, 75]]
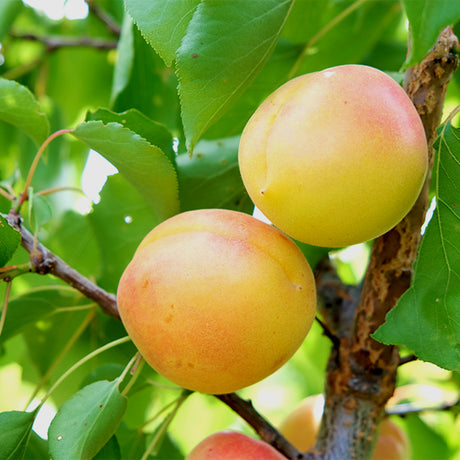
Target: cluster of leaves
[[163, 90]]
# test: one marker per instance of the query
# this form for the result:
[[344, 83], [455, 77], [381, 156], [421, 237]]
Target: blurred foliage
[[101, 77]]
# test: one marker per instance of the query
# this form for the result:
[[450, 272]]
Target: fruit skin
[[231, 445], [301, 428], [216, 300], [335, 157]]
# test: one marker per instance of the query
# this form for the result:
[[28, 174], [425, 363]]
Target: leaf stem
[[6, 195], [137, 363], [82, 361], [88, 318], [34, 165], [159, 435], [50, 191], [329, 26]]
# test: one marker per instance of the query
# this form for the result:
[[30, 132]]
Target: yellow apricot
[[216, 300], [231, 445], [301, 427], [335, 157]]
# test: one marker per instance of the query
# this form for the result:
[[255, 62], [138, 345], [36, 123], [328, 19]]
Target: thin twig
[[111, 25], [402, 410], [54, 43], [407, 359]]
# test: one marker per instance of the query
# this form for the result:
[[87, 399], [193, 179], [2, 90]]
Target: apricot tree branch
[[43, 262], [54, 43]]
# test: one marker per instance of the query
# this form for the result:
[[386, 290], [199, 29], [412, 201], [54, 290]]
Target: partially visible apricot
[[301, 428], [231, 445], [216, 300], [335, 157]]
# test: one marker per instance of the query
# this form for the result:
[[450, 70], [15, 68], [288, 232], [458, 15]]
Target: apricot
[[301, 428], [216, 300], [335, 157], [231, 445]]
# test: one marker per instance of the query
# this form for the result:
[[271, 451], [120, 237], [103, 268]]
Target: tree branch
[[111, 25], [45, 262], [54, 43], [362, 372]]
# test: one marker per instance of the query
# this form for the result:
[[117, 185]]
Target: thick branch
[[362, 372], [45, 262]]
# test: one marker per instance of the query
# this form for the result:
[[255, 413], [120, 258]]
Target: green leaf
[[19, 107], [225, 47], [35, 305], [426, 443], [144, 165], [125, 58], [39, 210], [163, 23], [111, 451], [155, 133], [144, 82], [120, 220], [427, 18], [10, 239], [86, 421], [15, 429], [9, 10], [427, 318], [211, 178], [37, 448]]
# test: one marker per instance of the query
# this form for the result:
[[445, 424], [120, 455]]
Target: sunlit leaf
[[19, 107], [156, 133], [224, 48], [426, 19], [163, 23], [86, 421], [427, 317], [144, 165]]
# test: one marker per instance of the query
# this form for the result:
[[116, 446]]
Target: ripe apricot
[[231, 445], [216, 300], [335, 157], [301, 428]]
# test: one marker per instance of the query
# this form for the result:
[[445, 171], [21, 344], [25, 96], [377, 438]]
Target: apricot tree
[[159, 95]]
